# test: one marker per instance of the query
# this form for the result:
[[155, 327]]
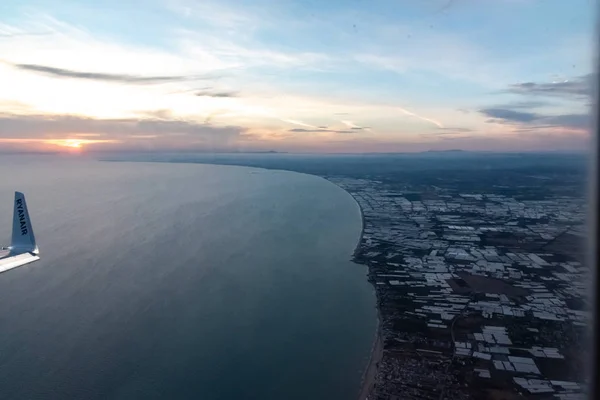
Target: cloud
[[158, 114], [507, 116], [526, 104], [320, 130], [355, 127], [447, 132], [61, 142], [14, 105], [579, 87], [520, 105], [577, 121], [46, 126], [454, 138], [88, 134], [214, 114], [210, 93], [349, 124], [19, 34], [295, 122], [452, 131], [247, 54], [518, 115], [412, 114], [143, 136], [208, 37], [457, 57], [217, 15], [99, 76]]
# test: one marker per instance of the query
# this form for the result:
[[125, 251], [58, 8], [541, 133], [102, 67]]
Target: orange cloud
[[39, 144]]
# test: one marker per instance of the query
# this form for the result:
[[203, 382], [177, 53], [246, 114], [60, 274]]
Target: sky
[[298, 76]]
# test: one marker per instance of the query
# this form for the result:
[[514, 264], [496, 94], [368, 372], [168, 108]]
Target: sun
[[73, 143], [77, 145]]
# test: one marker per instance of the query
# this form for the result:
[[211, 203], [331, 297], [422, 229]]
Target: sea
[[182, 281]]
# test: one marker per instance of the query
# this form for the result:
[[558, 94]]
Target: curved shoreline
[[362, 228], [376, 354], [369, 374], [368, 379]]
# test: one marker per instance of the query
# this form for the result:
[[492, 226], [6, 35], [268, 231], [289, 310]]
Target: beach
[[368, 379]]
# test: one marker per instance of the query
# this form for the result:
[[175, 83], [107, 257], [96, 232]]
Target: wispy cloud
[[321, 130], [210, 117], [299, 123], [507, 116], [68, 142], [143, 136], [527, 104], [62, 142], [305, 73], [88, 134], [13, 35], [249, 54], [42, 126], [216, 93], [355, 127], [452, 130], [576, 121], [578, 87], [519, 114], [106, 77], [412, 114], [349, 124], [442, 54], [216, 14]]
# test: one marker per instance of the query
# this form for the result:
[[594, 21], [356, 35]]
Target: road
[[462, 312]]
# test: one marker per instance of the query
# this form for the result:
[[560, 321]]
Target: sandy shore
[[370, 373], [368, 378]]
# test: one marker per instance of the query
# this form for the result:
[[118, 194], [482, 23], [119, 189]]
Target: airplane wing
[[23, 249], [11, 262]]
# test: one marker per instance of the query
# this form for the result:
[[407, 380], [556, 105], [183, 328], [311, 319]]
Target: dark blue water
[[179, 281]]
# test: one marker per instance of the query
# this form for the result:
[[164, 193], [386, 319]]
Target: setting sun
[[76, 144], [72, 143]]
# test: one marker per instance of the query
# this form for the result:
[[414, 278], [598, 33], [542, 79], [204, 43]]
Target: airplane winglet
[[23, 239]]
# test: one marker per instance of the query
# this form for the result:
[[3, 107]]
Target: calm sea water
[[178, 281]]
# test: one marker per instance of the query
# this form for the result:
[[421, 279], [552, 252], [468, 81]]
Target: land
[[481, 294], [478, 265]]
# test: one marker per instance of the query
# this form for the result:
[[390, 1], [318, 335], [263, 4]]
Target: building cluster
[[480, 295]]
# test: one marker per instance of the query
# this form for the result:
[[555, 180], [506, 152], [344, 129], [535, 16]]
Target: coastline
[[376, 354], [368, 378], [362, 228], [370, 373]]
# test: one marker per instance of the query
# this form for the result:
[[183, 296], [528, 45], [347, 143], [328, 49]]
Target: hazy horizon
[[298, 77], [92, 153]]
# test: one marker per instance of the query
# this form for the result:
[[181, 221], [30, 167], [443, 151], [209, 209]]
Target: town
[[480, 295]]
